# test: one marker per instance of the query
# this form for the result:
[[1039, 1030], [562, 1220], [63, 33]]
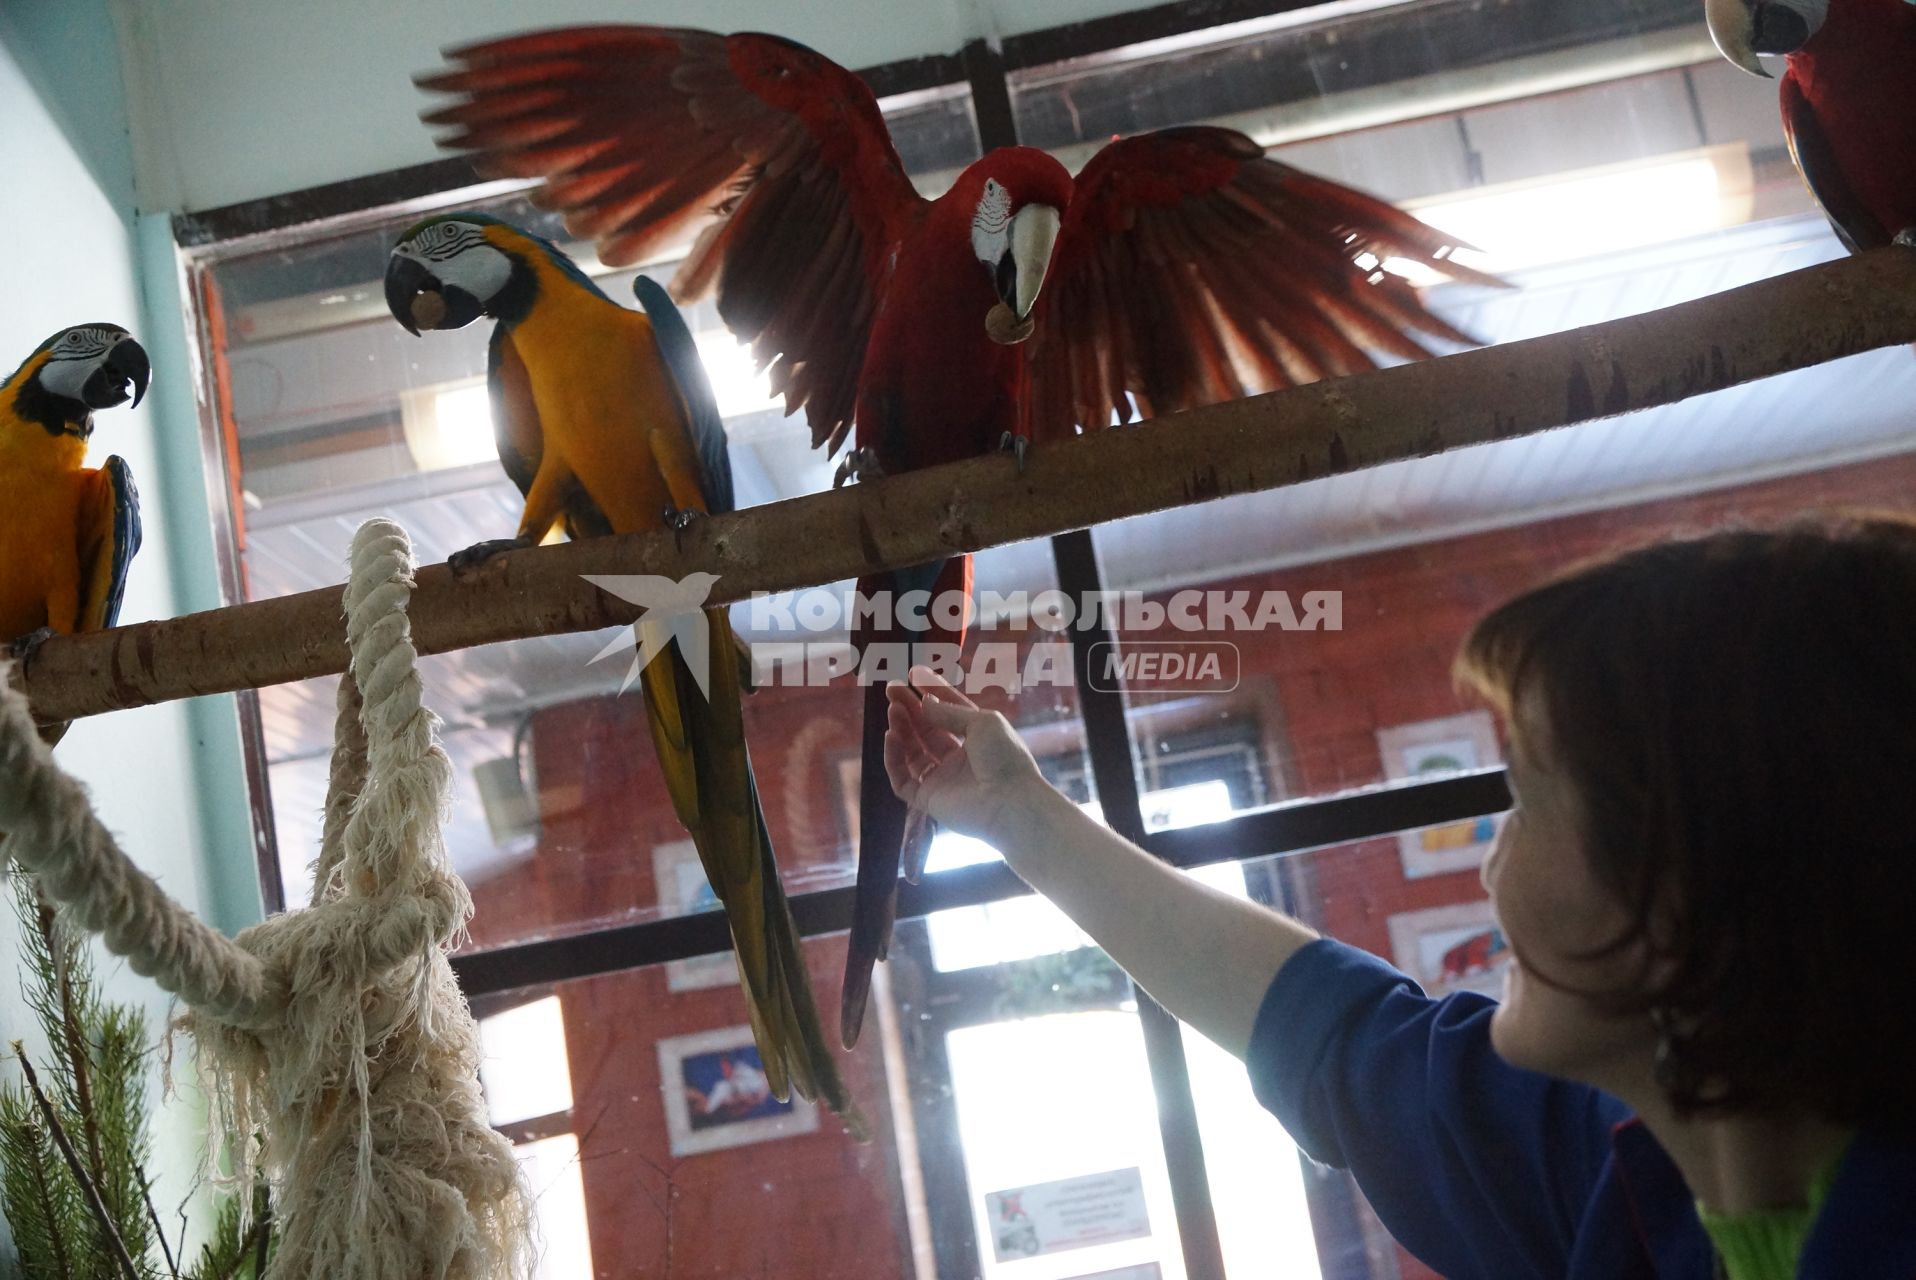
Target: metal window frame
[[1279, 829]]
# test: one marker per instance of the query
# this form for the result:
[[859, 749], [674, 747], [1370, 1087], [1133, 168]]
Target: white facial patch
[[73, 359], [459, 254], [991, 224]]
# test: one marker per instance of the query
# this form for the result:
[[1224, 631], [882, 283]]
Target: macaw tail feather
[[881, 831], [701, 748], [890, 837]]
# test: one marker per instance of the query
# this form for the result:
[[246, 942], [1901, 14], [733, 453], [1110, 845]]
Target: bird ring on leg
[[1003, 326]]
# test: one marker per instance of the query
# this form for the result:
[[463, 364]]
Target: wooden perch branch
[[1789, 322]]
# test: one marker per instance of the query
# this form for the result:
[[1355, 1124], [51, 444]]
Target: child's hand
[[964, 766]]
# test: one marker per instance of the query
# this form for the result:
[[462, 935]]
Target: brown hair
[[1737, 714]]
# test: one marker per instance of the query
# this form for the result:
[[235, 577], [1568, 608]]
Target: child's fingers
[[906, 715], [950, 717], [932, 685], [897, 765], [920, 744]]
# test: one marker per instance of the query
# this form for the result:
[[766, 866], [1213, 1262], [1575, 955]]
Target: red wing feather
[[1855, 225], [1190, 268], [642, 133]]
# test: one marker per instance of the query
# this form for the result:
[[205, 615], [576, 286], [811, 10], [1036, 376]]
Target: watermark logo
[[1168, 644], [674, 614], [1164, 666]]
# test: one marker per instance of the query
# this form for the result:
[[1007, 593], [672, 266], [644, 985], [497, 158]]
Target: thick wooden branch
[[1788, 322]]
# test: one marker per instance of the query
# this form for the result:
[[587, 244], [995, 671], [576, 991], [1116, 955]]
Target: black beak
[[1005, 281], [418, 300], [126, 365]]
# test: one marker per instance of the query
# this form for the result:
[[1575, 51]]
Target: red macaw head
[[1016, 197], [1746, 29]]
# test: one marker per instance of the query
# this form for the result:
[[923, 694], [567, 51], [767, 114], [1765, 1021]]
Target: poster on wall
[[1071, 1213], [1143, 1271], [1448, 744], [717, 1096], [683, 890], [1453, 948]]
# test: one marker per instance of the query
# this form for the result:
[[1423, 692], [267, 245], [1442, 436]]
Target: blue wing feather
[[126, 534], [681, 356]]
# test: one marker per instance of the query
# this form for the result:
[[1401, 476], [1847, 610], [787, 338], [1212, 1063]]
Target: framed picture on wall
[[1448, 744], [717, 1096], [683, 890], [1453, 948]]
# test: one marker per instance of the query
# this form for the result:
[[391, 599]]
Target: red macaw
[[1174, 262], [1849, 102]]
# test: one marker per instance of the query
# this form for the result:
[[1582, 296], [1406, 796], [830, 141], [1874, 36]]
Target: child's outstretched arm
[[1206, 956]]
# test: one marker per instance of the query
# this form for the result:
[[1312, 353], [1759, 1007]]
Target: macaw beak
[[1733, 27], [125, 364], [1021, 271], [418, 300], [1746, 29]]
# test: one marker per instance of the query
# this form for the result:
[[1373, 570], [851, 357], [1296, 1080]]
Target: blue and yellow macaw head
[[78, 370], [448, 271]]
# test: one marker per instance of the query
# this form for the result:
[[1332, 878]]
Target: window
[[1276, 714]]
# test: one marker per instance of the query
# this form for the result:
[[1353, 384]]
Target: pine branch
[[231, 1254], [36, 1203], [153, 1217], [88, 1190], [118, 1062], [64, 951], [262, 1229]]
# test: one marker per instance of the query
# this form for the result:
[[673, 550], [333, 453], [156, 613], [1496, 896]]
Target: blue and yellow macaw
[[605, 421], [68, 532]]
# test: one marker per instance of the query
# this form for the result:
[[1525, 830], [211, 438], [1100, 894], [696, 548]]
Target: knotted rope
[[338, 1032]]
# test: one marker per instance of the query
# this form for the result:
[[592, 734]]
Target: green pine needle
[[95, 1078]]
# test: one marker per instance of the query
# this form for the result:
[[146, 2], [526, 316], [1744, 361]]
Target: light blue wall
[[165, 779]]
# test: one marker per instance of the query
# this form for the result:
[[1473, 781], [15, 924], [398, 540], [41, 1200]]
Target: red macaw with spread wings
[[1180, 268]]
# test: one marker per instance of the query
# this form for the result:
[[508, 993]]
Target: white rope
[[55, 835], [338, 1033]]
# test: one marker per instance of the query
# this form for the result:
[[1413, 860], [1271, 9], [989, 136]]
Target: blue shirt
[[1482, 1169]]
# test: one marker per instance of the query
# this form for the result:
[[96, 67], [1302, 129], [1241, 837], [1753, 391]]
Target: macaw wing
[[1188, 261], [1855, 225], [681, 356], [109, 538], [641, 132], [516, 430], [520, 438]]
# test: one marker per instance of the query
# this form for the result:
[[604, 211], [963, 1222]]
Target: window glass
[[1606, 161]]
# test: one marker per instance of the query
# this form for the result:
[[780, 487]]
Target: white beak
[[1033, 233], [1733, 27]]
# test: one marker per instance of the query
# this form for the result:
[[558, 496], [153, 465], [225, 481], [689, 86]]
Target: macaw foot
[[678, 520], [1015, 443], [1906, 237], [22, 649], [462, 562], [860, 465]]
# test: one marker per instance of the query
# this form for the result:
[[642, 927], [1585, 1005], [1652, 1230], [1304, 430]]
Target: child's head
[[1714, 854]]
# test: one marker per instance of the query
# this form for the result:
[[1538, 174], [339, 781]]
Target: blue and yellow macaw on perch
[[69, 531], [605, 421]]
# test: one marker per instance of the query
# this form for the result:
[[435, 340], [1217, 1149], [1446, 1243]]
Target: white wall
[[72, 260], [236, 99]]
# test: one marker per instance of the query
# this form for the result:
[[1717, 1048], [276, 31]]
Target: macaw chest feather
[[605, 403], [936, 388], [39, 545]]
